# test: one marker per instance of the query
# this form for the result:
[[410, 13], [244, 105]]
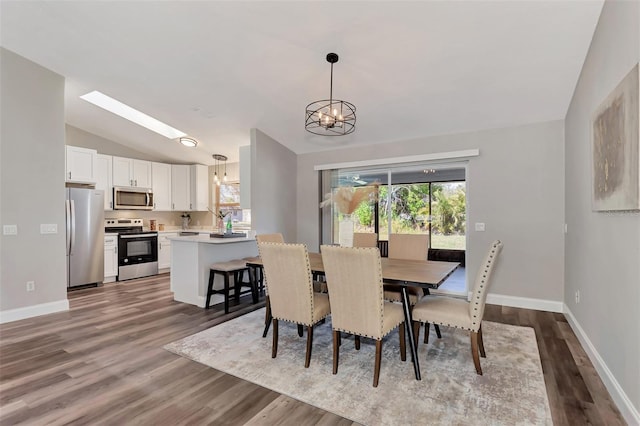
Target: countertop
[[206, 239]]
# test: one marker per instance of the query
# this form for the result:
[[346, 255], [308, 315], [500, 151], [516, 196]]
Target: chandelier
[[331, 117], [218, 168]]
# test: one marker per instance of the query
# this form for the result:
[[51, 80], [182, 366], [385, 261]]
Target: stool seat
[[235, 267], [230, 266]]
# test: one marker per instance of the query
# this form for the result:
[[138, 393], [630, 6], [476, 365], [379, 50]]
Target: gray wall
[[32, 158], [603, 249], [273, 186], [515, 187], [78, 137]]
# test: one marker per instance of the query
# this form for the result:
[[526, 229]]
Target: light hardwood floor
[[102, 362]]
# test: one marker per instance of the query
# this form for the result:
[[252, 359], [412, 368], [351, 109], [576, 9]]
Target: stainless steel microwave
[[128, 198]]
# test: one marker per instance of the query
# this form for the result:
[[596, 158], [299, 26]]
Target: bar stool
[[227, 269]]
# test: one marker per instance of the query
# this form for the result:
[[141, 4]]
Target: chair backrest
[[288, 281], [270, 238], [354, 280], [365, 239], [483, 277], [409, 246]]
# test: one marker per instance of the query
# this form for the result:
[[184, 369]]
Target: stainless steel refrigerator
[[85, 236]]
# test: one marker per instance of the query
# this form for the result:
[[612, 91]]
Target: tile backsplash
[[198, 219]]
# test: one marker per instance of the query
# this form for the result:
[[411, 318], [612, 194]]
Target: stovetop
[[123, 226]]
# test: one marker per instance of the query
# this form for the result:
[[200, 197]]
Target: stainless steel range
[[137, 249]]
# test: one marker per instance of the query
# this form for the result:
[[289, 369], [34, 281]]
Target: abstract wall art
[[615, 128]]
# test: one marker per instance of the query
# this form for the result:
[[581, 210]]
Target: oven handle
[[139, 235]]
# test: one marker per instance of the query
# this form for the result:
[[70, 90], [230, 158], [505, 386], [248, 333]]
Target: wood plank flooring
[[102, 362]]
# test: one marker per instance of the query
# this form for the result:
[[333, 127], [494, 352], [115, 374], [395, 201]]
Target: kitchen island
[[191, 257]]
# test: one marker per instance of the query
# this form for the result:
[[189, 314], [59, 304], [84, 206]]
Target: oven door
[[137, 248]]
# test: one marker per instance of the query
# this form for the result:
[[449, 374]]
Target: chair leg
[[437, 328], [307, 359], [274, 346], [376, 371], [336, 350], [403, 344], [209, 289], [339, 338], [474, 352], [416, 332], [481, 343], [267, 316], [300, 330], [226, 293], [426, 332], [237, 285], [357, 338]]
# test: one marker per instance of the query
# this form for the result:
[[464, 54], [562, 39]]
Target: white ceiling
[[216, 69]]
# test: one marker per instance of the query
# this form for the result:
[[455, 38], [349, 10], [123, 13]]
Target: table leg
[[409, 327]]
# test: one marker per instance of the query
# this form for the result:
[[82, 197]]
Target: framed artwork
[[615, 127]]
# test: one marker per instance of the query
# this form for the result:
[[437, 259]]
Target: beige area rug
[[511, 391]]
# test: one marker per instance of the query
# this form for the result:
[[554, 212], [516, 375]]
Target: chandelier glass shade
[[330, 117]]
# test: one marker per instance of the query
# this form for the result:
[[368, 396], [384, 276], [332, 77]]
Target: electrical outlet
[[480, 227], [577, 296], [31, 285]]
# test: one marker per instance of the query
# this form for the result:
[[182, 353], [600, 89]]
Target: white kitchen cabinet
[[104, 178], [80, 165], [131, 172], [164, 250], [161, 184], [245, 177], [180, 187], [110, 258], [199, 188]]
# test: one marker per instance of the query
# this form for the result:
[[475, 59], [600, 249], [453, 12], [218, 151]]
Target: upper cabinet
[[199, 187], [245, 177], [180, 187], [81, 165], [130, 172], [104, 178], [161, 185]]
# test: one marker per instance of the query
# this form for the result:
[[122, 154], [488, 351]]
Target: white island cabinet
[[191, 258]]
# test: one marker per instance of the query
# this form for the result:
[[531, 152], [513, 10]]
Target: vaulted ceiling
[[217, 69]]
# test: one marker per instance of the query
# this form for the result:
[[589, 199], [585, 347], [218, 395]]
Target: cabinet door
[[141, 173], [161, 184], [199, 187], [180, 187], [81, 164], [104, 179], [164, 250], [110, 256], [122, 171]]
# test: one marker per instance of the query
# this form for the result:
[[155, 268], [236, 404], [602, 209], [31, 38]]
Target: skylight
[[131, 114]]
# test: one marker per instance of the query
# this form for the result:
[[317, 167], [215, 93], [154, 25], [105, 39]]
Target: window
[[227, 199]]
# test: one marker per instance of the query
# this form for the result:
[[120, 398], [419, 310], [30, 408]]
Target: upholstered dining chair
[[407, 247], [365, 239], [290, 287], [354, 278], [266, 238], [459, 313]]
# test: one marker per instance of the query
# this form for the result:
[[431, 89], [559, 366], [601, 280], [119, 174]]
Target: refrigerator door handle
[[67, 206], [73, 226]]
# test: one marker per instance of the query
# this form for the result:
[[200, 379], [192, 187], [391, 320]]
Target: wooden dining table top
[[420, 273]]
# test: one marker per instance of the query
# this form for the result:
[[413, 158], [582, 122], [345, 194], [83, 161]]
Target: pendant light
[[218, 158], [330, 117]]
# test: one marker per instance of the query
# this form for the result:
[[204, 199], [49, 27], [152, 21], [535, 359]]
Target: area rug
[[511, 391]]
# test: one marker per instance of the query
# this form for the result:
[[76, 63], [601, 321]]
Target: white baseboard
[[622, 401], [33, 311], [525, 302]]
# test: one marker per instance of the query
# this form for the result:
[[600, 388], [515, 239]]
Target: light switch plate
[[480, 227], [48, 228], [10, 229]]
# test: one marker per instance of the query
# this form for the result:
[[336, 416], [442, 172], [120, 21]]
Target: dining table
[[426, 274]]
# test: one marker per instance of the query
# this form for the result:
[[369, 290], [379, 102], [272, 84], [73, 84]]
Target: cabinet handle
[[69, 175], [110, 204], [160, 246], [190, 206], [173, 206], [135, 182]]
